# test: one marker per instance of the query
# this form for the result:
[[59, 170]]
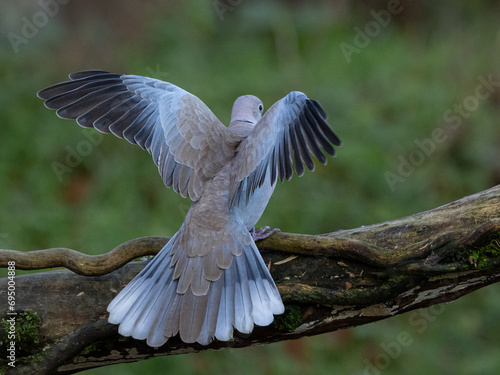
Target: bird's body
[[209, 279], [250, 213]]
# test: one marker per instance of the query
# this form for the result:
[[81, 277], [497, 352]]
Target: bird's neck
[[241, 128]]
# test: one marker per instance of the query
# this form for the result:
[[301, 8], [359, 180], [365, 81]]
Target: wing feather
[[284, 139], [173, 125]]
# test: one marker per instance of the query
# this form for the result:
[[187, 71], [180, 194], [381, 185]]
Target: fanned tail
[[151, 307]]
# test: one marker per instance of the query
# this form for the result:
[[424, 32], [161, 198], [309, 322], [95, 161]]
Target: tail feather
[[193, 310], [127, 293], [160, 302], [128, 308], [154, 331], [145, 307], [265, 282], [262, 312], [153, 310], [211, 270], [200, 283], [187, 274], [140, 303], [225, 318], [207, 333], [173, 318], [243, 321]]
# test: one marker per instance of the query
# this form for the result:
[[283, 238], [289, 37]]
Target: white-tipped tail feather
[[151, 308]]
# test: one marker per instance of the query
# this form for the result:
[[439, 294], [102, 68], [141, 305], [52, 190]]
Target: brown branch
[[83, 264], [337, 280]]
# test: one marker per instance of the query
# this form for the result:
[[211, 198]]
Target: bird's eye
[[261, 107]]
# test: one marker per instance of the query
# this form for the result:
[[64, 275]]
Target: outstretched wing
[[187, 141], [283, 140]]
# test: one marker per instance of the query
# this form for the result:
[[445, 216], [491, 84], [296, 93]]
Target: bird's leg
[[262, 233]]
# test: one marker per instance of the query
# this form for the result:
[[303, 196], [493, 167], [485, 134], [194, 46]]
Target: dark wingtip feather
[[318, 108], [40, 94], [299, 167], [86, 73], [320, 116], [67, 86], [48, 92], [64, 113]]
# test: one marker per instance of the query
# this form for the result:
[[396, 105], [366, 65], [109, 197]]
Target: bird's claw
[[262, 233]]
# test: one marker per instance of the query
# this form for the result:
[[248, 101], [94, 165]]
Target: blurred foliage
[[383, 100]]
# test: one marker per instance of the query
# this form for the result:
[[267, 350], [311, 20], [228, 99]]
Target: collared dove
[[209, 279]]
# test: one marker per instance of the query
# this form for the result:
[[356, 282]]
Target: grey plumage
[[209, 279]]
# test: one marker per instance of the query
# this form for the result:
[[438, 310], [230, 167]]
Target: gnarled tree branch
[[83, 264], [331, 281]]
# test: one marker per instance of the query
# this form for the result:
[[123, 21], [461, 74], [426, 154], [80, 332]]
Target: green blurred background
[[387, 81]]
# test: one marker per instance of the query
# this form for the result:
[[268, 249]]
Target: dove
[[209, 280]]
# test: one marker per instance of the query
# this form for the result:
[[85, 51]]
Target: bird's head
[[247, 111]]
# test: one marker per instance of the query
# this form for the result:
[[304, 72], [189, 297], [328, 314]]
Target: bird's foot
[[264, 232]]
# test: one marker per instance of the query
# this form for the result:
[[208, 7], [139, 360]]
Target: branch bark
[[328, 282]]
